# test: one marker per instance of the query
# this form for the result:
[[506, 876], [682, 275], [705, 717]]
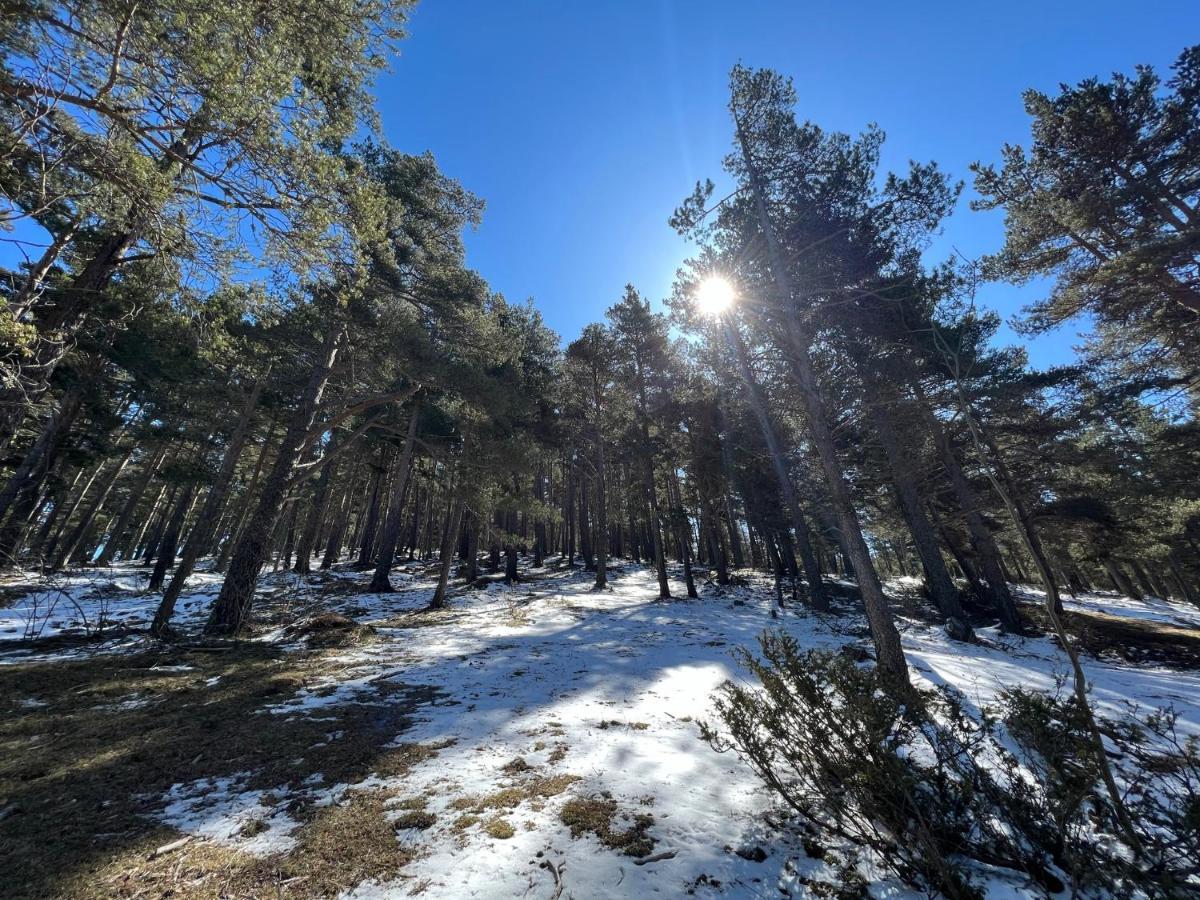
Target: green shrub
[[925, 788]]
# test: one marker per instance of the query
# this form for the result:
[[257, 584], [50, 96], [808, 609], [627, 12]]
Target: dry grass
[[499, 828], [598, 816], [86, 771], [330, 629], [534, 790]]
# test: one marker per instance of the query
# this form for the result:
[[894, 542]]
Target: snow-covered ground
[[87, 602], [547, 693], [1110, 603]]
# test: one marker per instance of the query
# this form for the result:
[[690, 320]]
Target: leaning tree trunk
[[125, 517], [1002, 481], [170, 541], [214, 504], [36, 464], [817, 594], [61, 320], [889, 653], [982, 539], [902, 467], [83, 526], [64, 523], [337, 534], [232, 606], [449, 538], [366, 537], [394, 523]]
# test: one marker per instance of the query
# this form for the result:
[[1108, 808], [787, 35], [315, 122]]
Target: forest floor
[[540, 740]]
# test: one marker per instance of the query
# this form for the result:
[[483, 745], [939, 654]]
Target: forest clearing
[[460, 753], [819, 522]]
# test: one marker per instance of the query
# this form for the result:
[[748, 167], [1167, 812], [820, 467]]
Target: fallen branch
[[556, 871], [168, 848], [657, 857]]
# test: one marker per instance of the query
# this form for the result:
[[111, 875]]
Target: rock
[[754, 854]]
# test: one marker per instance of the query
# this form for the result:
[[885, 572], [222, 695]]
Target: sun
[[715, 295]]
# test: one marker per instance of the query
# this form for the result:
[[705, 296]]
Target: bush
[[925, 788]]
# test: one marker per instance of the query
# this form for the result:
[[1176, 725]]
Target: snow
[[1109, 603], [89, 602], [607, 687], [219, 810]]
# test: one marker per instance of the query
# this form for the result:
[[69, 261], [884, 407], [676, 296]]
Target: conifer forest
[[328, 570]]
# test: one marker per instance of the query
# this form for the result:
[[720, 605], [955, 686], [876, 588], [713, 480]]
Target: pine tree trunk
[[150, 549], [812, 569], [129, 550], [902, 467], [395, 516], [204, 528], [585, 528], [601, 542], [651, 492], [889, 653], [449, 537], [539, 525], [333, 545], [170, 540], [28, 477], [683, 531], [232, 607], [83, 526], [316, 518], [366, 538], [65, 521], [136, 492], [982, 540]]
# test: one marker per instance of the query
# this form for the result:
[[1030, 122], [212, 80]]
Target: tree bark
[[818, 596], [889, 653], [232, 607], [395, 515], [449, 537], [902, 467], [170, 541], [982, 540], [136, 492], [214, 504], [82, 527]]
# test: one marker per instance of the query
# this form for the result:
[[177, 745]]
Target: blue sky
[[583, 125]]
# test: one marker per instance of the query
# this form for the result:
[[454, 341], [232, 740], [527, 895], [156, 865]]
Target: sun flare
[[715, 295]]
